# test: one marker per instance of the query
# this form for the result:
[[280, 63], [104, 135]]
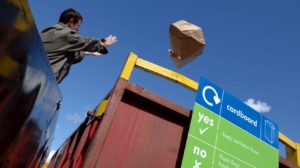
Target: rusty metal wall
[[29, 94], [142, 134], [138, 129]]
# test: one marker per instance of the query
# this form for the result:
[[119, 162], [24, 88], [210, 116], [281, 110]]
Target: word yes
[[205, 119]]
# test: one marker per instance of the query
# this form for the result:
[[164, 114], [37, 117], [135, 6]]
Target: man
[[65, 46]]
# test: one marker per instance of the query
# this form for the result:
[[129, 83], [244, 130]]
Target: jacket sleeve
[[80, 44]]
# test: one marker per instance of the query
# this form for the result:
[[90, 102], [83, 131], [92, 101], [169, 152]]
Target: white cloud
[[50, 155], [78, 117], [258, 105], [75, 117]]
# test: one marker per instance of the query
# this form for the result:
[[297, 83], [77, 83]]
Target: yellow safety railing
[[134, 61], [292, 148]]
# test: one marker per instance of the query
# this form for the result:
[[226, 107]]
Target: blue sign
[[209, 95], [237, 112], [241, 114], [269, 132]]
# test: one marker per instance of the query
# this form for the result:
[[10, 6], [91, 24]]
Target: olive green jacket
[[65, 47]]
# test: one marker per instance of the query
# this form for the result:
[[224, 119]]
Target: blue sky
[[252, 52]]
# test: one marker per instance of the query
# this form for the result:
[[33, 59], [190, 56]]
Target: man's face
[[73, 25]]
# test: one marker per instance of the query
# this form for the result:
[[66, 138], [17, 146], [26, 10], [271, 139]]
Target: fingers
[[110, 40], [92, 53], [96, 53]]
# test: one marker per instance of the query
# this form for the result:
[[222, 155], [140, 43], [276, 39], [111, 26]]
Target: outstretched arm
[[108, 41]]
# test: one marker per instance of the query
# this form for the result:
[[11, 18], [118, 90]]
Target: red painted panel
[[74, 150], [80, 151], [139, 137]]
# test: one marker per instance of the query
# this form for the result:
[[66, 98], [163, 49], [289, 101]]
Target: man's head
[[71, 18]]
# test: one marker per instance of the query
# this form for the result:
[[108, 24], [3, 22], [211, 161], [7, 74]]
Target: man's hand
[[110, 40], [92, 53]]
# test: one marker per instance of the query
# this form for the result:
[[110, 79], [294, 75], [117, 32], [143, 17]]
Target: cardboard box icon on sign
[[187, 42], [269, 131]]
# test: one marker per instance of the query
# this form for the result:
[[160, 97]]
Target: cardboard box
[[187, 42]]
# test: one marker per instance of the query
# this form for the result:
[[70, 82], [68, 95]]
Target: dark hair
[[68, 14]]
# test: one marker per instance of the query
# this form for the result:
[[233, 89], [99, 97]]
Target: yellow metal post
[[129, 65], [166, 73], [293, 155], [101, 108], [287, 141], [292, 149]]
